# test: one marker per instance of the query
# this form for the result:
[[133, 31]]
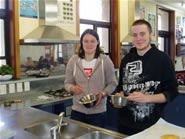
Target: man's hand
[[119, 94], [143, 98], [138, 97]]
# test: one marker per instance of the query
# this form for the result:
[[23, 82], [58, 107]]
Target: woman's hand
[[100, 96], [76, 89]]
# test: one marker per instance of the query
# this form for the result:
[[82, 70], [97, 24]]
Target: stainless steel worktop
[[181, 89], [18, 120], [38, 98], [33, 99]]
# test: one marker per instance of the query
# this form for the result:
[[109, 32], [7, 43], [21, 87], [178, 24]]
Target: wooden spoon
[[144, 90], [85, 95]]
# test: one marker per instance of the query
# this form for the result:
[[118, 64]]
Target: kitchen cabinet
[[57, 108], [112, 116], [65, 106], [174, 112], [48, 108]]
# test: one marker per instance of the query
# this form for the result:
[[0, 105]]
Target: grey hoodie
[[102, 78]]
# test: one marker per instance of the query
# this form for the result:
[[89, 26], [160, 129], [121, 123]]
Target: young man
[[144, 67]]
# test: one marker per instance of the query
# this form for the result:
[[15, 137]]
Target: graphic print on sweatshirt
[[134, 80], [88, 72]]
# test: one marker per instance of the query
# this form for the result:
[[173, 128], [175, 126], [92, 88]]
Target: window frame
[[166, 34], [101, 24], [4, 15]]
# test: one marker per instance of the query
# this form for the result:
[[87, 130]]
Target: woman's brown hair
[[92, 32]]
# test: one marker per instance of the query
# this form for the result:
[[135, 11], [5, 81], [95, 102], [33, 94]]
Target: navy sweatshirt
[[154, 70]]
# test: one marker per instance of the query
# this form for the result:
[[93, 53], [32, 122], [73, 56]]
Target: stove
[[58, 93]]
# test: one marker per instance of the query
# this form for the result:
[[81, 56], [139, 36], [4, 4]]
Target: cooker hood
[[133, 13], [48, 32]]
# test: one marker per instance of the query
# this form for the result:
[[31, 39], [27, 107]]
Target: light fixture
[[182, 4]]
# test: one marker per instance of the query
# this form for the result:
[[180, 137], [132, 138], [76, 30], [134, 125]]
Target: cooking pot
[[121, 101], [118, 101]]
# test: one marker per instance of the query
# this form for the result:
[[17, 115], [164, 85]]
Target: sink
[[98, 135], [68, 131]]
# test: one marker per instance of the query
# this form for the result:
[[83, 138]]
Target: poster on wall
[[178, 19], [29, 8], [180, 29], [183, 27], [151, 20], [183, 21], [142, 12]]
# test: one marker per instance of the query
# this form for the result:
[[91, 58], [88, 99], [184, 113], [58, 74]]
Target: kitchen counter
[[181, 89], [38, 98], [162, 127], [18, 120], [33, 99]]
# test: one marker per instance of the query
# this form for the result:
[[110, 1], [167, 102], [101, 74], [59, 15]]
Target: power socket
[[26, 86], [19, 87], [11, 88], [3, 89]]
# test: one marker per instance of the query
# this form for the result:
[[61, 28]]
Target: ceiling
[[176, 4]]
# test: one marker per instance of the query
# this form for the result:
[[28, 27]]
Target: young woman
[[94, 73]]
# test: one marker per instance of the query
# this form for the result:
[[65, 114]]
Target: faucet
[[55, 131]]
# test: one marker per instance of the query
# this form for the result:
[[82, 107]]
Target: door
[[163, 31]]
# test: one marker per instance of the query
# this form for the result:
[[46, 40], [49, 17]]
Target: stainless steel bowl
[[88, 100], [118, 101]]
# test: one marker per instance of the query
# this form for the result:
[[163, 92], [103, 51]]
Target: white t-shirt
[[88, 66]]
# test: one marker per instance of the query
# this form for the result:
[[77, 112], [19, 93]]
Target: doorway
[[166, 27], [163, 31]]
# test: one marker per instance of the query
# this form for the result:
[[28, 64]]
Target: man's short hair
[[141, 22]]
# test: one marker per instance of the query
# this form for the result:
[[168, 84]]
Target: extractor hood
[[133, 11], [48, 32]]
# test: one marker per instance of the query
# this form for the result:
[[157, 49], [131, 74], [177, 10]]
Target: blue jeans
[[93, 119]]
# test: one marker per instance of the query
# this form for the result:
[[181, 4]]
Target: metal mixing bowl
[[88, 100], [118, 101]]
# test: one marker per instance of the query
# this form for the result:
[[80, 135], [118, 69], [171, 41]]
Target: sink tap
[[60, 118], [55, 131]]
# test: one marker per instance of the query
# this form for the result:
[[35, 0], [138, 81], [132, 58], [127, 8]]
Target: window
[[163, 31], [95, 14], [2, 4], [83, 27], [104, 38], [2, 37], [98, 10], [3, 20], [163, 20]]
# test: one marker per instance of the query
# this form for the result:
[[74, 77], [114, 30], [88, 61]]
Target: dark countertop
[[18, 120]]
